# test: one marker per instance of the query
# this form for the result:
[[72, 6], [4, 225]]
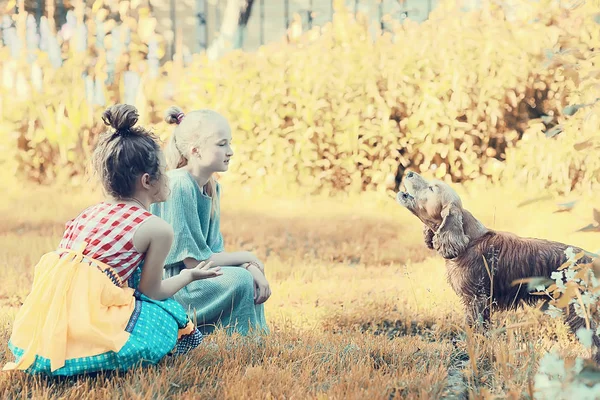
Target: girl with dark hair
[[92, 306]]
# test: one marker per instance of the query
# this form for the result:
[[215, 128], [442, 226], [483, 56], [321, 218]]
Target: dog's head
[[439, 207]]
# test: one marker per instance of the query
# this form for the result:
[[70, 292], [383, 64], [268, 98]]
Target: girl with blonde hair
[[200, 146]]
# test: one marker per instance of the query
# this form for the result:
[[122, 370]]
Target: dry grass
[[360, 308]]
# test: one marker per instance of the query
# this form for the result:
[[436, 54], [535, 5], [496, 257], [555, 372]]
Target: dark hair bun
[[121, 117]]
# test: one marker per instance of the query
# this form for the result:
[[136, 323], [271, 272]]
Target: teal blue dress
[[225, 301]]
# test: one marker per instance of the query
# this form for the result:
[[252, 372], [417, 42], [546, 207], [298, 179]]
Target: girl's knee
[[244, 282]]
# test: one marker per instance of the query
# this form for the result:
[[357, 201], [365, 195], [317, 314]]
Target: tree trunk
[[231, 35], [242, 23]]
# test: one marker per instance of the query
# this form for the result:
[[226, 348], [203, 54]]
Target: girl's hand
[[203, 270], [260, 265], [262, 291]]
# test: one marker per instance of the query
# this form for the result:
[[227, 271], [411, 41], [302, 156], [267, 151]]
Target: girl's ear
[[146, 181], [195, 152]]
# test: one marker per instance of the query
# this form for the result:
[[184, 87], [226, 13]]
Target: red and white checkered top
[[108, 230]]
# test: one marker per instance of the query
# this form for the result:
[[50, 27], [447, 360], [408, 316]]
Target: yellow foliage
[[340, 111], [571, 159]]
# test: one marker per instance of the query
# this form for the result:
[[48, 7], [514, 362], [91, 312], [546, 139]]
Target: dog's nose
[[410, 174]]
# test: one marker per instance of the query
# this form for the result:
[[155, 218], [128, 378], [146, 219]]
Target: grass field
[[360, 308]]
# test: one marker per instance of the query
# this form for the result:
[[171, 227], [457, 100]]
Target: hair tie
[[179, 117]]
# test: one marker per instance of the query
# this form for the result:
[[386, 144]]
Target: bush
[[566, 157], [344, 113], [339, 111]]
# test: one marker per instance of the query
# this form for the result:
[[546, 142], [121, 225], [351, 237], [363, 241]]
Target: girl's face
[[215, 151], [159, 189]]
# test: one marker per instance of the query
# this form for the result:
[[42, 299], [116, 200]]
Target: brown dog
[[465, 242]]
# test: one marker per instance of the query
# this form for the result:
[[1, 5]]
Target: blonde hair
[[188, 133]]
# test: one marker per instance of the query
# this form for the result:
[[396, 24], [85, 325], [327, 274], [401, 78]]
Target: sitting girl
[[200, 146], [81, 316]]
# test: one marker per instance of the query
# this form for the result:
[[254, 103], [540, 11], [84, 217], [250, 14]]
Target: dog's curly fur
[[482, 264]]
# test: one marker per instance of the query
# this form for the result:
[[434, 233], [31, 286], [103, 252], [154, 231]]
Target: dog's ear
[[428, 236], [450, 239]]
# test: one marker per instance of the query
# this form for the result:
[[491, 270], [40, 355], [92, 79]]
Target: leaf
[[11, 5], [583, 145], [574, 5], [590, 228], [589, 375], [564, 265], [572, 74], [592, 255], [96, 6], [562, 207], [533, 200], [533, 282], [585, 337], [572, 109], [597, 18], [536, 282], [554, 131], [564, 300], [596, 267], [581, 274]]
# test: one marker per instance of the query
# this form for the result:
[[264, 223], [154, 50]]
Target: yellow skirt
[[79, 318]]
